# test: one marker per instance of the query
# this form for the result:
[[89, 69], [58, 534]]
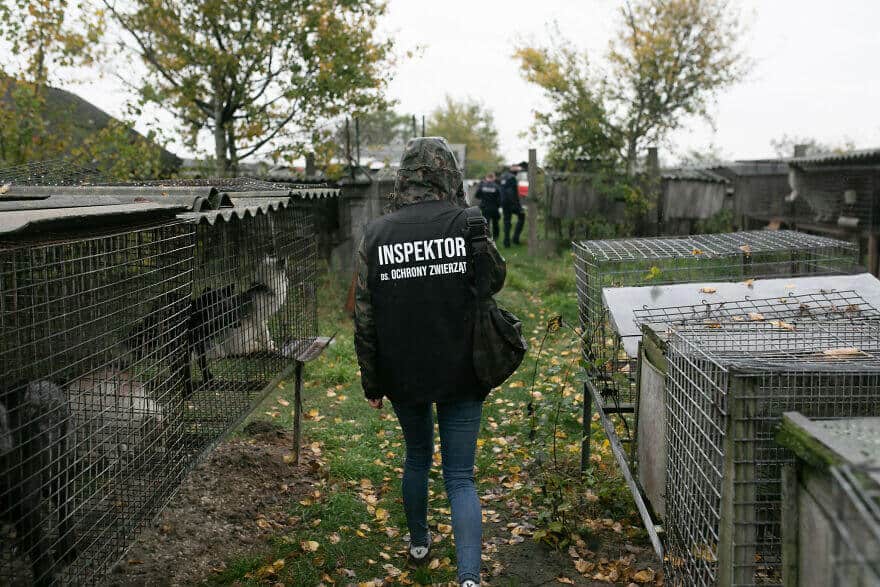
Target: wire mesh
[[818, 305], [92, 430], [55, 172], [254, 308], [699, 258], [855, 526], [726, 390], [127, 355]]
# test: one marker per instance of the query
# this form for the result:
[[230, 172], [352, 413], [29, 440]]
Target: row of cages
[[130, 345], [694, 348]]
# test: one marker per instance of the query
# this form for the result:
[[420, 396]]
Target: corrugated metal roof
[[18, 222], [195, 198], [314, 193], [746, 168], [247, 208], [859, 156], [692, 174]]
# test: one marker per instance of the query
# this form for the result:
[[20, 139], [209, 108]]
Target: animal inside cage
[[726, 391], [253, 307], [831, 501], [786, 310], [90, 429], [141, 323]]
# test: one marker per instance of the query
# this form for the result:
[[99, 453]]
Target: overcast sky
[[816, 70]]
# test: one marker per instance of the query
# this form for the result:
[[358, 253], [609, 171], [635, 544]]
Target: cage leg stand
[[585, 432], [297, 410]]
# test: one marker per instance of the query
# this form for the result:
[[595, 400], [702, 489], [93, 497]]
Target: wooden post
[[655, 189], [297, 411], [790, 525], [872, 254], [532, 212], [738, 531]]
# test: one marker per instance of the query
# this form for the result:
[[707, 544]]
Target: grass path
[[543, 522]]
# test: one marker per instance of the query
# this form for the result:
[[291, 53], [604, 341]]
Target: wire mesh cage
[[253, 308], [726, 391], [130, 349], [700, 258], [649, 454], [90, 441]]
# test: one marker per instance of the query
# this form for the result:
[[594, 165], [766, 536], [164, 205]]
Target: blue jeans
[[459, 426]]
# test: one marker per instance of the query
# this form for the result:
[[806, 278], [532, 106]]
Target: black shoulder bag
[[499, 346]]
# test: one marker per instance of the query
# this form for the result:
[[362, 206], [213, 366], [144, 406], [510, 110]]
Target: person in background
[[511, 205], [489, 196], [415, 308]]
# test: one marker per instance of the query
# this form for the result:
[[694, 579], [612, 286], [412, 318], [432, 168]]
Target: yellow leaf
[[846, 352], [750, 282], [444, 528], [565, 580], [783, 325], [756, 316], [516, 384], [644, 576], [283, 402], [309, 545], [334, 538], [435, 563], [697, 252], [381, 514], [746, 249]]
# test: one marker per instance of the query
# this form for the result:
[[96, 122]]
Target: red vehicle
[[522, 183]]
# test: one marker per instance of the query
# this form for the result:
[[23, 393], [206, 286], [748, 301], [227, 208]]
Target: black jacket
[[415, 305], [510, 193], [489, 195]]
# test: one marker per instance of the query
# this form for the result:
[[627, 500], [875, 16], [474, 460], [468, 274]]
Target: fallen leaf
[[696, 252], [756, 316], [4, 188], [708, 290], [746, 249], [783, 325], [309, 545], [846, 352], [644, 576], [334, 538], [749, 282], [565, 580], [283, 402]]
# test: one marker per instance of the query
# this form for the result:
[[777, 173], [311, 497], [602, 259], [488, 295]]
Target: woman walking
[[414, 320]]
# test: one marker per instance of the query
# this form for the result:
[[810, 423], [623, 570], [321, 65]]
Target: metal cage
[[735, 256], [726, 391], [254, 307], [90, 430], [129, 349]]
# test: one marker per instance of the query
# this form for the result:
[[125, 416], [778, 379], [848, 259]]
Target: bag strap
[[478, 234]]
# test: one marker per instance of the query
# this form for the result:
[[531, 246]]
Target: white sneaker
[[418, 555], [469, 583]]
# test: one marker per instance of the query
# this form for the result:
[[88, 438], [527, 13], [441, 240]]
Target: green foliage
[[468, 122], [668, 61], [723, 221], [121, 154], [259, 75]]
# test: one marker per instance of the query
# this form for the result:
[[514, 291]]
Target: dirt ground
[[228, 506], [234, 501]]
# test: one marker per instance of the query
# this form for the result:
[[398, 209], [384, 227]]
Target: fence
[[726, 391], [140, 324]]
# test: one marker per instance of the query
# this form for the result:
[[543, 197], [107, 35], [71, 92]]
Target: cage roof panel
[[858, 156], [837, 346], [704, 245], [244, 208], [622, 302], [32, 221]]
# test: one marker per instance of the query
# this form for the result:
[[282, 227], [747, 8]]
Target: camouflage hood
[[428, 171]]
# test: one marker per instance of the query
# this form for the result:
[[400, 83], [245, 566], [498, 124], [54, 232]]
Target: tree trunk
[[233, 151], [219, 139]]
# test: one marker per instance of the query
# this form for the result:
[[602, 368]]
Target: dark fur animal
[[36, 462]]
